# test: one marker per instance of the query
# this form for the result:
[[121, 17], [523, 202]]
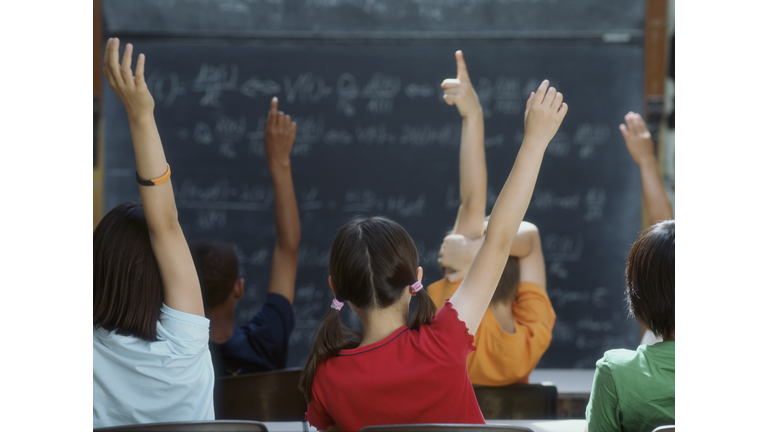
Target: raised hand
[[132, 91], [279, 135], [456, 254], [638, 138], [544, 112], [459, 91]]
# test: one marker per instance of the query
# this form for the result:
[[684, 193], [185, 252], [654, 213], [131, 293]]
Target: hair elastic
[[416, 287], [154, 182], [335, 304]]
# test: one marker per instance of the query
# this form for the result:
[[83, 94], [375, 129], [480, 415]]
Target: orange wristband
[[154, 182]]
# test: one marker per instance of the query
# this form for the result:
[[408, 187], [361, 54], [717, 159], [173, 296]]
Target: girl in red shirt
[[401, 370]]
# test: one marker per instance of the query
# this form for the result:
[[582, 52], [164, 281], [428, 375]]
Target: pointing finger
[[273, 106], [461, 67]]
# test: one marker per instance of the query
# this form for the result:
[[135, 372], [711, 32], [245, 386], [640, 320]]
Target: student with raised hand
[[262, 343], [150, 337], [415, 367], [517, 326], [635, 390], [516, 329], [640, 145]]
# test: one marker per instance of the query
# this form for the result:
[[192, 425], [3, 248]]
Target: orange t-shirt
[[503, 358]]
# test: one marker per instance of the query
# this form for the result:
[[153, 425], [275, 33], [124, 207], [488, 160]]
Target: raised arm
[[640, 146], [472, 174], [544, 113], [279, 136], [181, 288], [457, 251], [527, 248]]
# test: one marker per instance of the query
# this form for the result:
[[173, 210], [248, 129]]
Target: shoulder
[[617, 357], [183, 329], [448, 334]]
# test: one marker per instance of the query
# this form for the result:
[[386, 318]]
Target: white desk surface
[[535, 425], [576, 382]]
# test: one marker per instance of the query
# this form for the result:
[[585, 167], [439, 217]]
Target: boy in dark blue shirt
[[262, 343]]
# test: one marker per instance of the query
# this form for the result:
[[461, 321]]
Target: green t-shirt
[[633, 390]]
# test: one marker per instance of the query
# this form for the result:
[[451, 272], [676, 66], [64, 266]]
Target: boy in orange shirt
[[516, 329]]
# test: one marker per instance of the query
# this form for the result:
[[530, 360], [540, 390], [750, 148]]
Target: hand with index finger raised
[[459, 91], [279, 135]]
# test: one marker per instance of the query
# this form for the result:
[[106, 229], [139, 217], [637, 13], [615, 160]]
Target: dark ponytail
[[332, 337], [372, 261], [425, 310]]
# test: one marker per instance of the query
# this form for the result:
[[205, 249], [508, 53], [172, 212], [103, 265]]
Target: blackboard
[[374, 137]]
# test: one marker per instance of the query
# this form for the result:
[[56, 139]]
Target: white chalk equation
[[374, 93], [221, 195], [589, 136], [367, 201], [591, 203]]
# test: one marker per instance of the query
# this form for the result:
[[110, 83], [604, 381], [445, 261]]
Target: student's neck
[[377, 324], [670, 338], [502, 311], [222, 323]]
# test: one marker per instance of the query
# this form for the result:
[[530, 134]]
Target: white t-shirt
[[171, 379]]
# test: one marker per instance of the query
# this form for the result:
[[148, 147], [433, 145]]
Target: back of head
[[372, 261], [506, 290], [127, 289], [650, 277], [217, 268]]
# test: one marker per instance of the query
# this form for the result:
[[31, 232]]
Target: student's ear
[[239, 289], [330, 284]]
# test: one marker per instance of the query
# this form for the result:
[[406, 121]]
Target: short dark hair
[[651, 278], [217, 268], [506, 290], [127, 289]]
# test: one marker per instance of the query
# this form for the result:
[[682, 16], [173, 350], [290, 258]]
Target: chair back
[[263, 396], [190, 426], [517, 401], [666, 428], [438, 427]]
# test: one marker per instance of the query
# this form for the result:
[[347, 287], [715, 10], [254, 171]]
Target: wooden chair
[[517, 401], [438, 427], [264, 396], [190, 426], [665, 428]]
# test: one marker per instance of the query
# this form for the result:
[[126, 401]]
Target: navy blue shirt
[[261, 344]]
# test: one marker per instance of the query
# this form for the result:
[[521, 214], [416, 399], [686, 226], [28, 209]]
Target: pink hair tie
[[335, 304], [416, 287]]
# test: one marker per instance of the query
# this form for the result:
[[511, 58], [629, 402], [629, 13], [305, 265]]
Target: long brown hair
[[372, 261], [127, 290]]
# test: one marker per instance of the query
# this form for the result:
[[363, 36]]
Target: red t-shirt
[[408, 377]]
